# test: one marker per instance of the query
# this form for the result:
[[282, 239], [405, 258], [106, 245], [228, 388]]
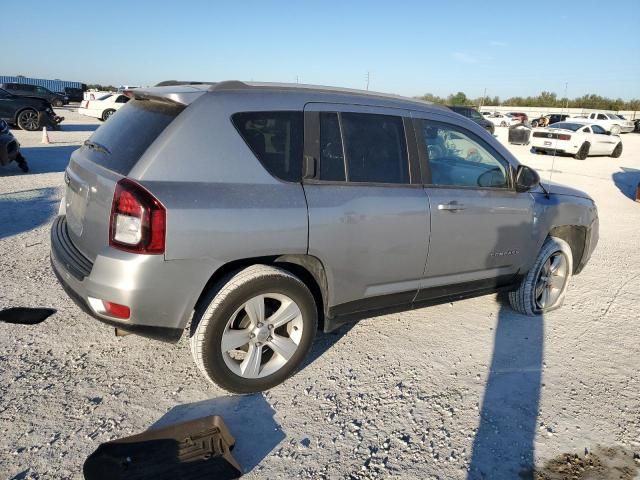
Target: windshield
[[567, 126]]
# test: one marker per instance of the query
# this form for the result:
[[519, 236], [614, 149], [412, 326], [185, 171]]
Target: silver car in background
[[255, 214]]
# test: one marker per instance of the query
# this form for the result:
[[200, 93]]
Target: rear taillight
[[564, 136], [138, 220]]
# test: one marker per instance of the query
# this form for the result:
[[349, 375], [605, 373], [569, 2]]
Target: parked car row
[[26, 90]]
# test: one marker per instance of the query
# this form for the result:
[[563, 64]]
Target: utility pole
[[566, 104], [368, 77], [297, 79], [484, 95]]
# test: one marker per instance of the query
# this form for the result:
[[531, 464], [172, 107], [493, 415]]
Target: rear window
[[276, 138], [129, 132]]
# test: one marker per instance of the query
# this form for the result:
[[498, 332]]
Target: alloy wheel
[[29, 120], [262, 335], [551, 280]]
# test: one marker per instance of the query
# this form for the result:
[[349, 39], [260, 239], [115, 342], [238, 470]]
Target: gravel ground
[[463, 390]]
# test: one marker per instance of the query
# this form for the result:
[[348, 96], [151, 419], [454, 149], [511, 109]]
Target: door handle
[[451, 206]]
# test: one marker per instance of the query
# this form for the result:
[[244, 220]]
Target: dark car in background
[[27, 90], [10, 148], [520, 115], [472, 114], [28, 113], [552, 118], [74, 94]]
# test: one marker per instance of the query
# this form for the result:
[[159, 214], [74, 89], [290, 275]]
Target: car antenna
[[553, 160]]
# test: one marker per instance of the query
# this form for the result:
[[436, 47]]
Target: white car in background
[[103, 107], [612, 122], [579, 138], [503, 119]]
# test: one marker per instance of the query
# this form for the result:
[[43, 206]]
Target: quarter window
[[598, 129], [376, 148], [276, 139], [458, 159]]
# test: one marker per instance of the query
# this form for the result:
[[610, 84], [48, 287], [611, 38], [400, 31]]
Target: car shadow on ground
[[504, 446], [627, 181], [324, 341], [26, 210], [84, 127], [41, 160], [249, 419]]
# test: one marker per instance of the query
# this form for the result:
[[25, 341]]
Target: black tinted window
[[129, 133], [331, 155], [276, 139], [376, 148], [458, 158]]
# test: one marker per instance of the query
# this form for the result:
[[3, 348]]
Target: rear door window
[[376, 148], [127, 135], [331, 153], [276, 139]]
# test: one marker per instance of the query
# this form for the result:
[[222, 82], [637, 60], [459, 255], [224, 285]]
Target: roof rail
[[229, 85], [173, 83]]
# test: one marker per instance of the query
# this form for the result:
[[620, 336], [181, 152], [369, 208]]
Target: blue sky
[[409, 48]]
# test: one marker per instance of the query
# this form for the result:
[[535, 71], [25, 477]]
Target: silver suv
[[254, 214]]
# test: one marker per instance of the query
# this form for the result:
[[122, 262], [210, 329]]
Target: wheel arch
[[307, 268], [576, 237]]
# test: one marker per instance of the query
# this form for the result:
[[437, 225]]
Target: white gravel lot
[[467, 390]]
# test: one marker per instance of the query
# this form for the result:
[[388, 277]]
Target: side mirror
[[526, 178]]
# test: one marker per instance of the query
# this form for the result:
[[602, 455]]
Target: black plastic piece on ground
[[198, 449], [25, 316]]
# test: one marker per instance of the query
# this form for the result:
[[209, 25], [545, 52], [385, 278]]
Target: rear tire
[[58, 103], [107, 113], [617, 151], [529, 298], [247, 312], [28, 120], [503, 124], [583, 152]]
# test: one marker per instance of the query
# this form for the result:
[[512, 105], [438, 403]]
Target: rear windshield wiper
[[96, 146]]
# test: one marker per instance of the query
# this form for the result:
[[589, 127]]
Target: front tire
[[615, 130], [583, 152], [617, 151], [254, 330], [58, 103], [544, 287]]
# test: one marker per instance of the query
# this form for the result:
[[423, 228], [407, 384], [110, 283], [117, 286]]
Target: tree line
[[544, 99]]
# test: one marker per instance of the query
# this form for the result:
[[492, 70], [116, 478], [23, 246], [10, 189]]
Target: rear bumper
[[90, 112], [160, 294]]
